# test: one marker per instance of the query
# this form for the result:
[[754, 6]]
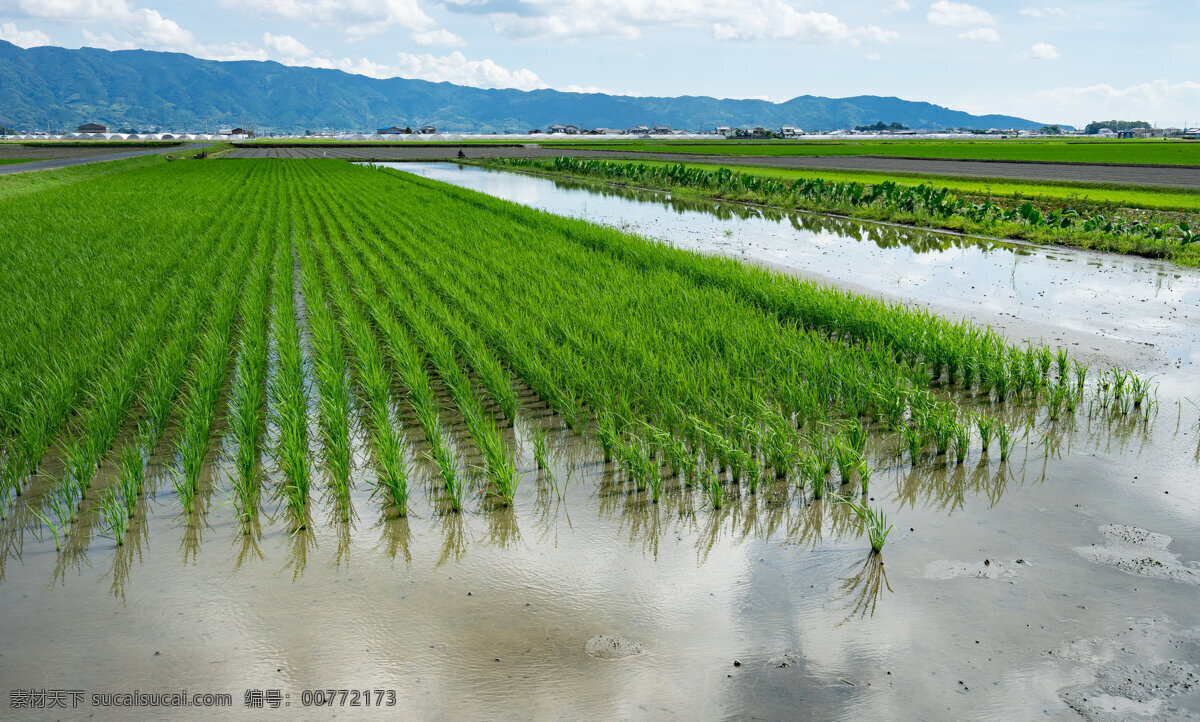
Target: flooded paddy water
[[1060, 583]]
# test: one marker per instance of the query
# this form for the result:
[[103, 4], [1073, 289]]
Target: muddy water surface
[[1006, 590]]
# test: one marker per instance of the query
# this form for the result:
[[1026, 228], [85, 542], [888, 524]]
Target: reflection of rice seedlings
[[874, 523], [113, 515]]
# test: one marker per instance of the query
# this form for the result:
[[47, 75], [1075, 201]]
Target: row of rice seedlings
[[409, 365], [475, 353], [288, 390], [334, 407], [248, 393], [205, 381], [603, 423], [98, 425], [120, 268], [388, 446], [499, 464]]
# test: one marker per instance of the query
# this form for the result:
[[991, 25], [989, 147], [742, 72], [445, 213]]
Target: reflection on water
[[862, 591], [882, 235]]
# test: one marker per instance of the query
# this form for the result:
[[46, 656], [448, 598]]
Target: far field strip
[[1119, 152], [1179, 177], [1126, 196], [73, 156]]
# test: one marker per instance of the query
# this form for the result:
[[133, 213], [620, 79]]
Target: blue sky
[[1068, 62]]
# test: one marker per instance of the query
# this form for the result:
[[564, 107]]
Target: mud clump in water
[[607, 646], [783, 660], [1140, 552]]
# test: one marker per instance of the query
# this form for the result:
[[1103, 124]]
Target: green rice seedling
[[184, 489], [540, 451], [1062, 360], [847, 459], [60, 506], [1081, 371], [856, 435], [962, 441], [986, 425], [712, 488], [914, 438], [132, 476], [451, 473], [874, 522], [864, 474], [111, 508], [1005, 436], [942, 430], [810, 470]]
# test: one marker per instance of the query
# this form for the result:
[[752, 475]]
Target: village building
[[92, 128]]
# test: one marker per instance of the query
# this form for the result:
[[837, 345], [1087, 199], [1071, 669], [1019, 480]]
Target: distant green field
[[9, 161], [1157, 198], [1172, 152]]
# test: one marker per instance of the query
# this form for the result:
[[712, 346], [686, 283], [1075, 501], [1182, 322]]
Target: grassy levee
[[1168, 152], [1173, 237]]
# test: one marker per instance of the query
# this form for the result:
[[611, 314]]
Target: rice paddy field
[[474, 443], [1128, 151]]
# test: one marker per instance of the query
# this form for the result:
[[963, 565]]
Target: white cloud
[[441, 36], [1049, 12], [23, 38], [782, 21], [629, 19], [954, 14], [286, 46], [900, 6], [71, 10], [986, 34], [353, 17], [1041, 51], [456, 68], [873, 56], [1159, 101]]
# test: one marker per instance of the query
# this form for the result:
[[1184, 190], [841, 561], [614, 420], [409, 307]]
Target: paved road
[[1182, 177], [90, 158]]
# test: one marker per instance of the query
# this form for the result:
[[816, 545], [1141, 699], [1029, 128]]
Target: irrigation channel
[[1007, 589]]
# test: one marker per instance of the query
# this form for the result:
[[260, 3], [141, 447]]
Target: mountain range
[[52, 88]]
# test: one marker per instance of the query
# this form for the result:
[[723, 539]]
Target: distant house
[[1105, 133], [661, 130], [92, 128], [427, 130], [723, 130], [390, 131], [556, 128], [572, 130], [535, 131], [788, 131], [639, 130]]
